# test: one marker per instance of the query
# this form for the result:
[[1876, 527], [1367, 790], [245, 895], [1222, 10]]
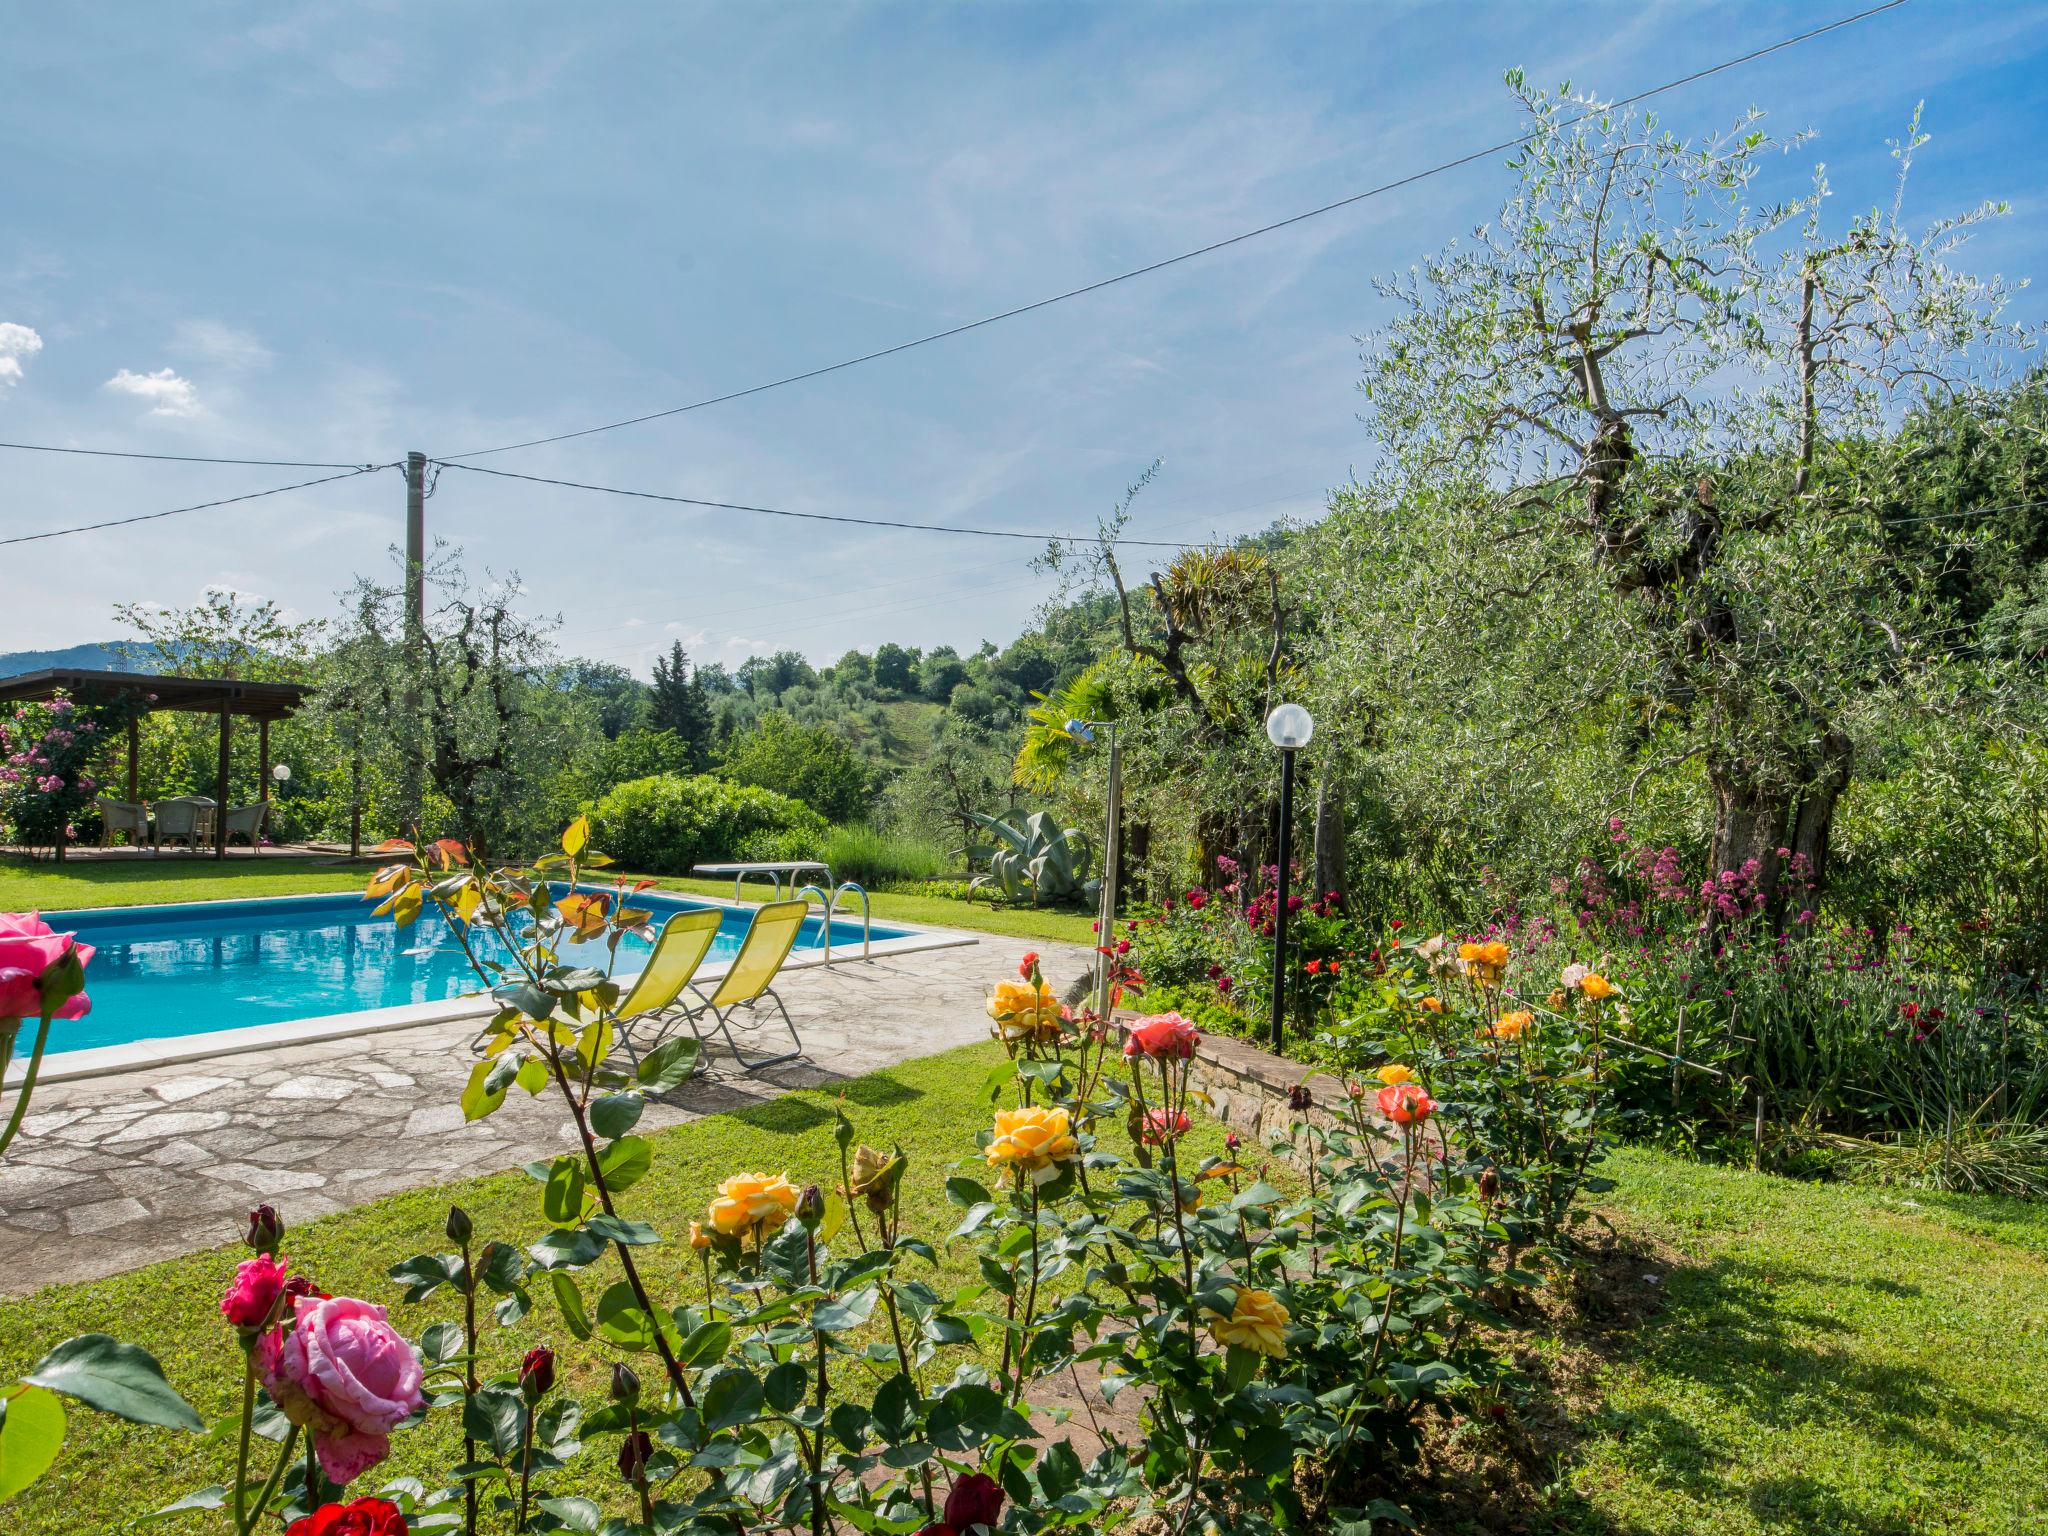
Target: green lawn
[[29, 886], [1828, 1359], [109, 1472]]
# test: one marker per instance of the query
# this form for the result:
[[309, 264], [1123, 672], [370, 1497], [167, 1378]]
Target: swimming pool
[[211, 967]]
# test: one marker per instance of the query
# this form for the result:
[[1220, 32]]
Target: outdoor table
[[776, 869]]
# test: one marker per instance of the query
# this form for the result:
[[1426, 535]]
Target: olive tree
[[1652, 401]]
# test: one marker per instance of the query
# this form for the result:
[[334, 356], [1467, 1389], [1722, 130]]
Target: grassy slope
[[1829, 1360], [110, 1472], [26, 886]]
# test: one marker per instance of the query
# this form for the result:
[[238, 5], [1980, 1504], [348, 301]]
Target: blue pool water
[[200, 966]]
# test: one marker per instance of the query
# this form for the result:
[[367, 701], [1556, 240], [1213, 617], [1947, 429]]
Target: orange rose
[[1406, 1103], [1596, 986], [1485, 963], [1512, 1026]]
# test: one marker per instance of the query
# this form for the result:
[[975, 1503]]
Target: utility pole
[[412, 789]]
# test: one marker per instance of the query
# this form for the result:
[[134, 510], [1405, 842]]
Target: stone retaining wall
[[1248, 1088]]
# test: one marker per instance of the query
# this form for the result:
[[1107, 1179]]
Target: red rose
[[254, 1291], [976, 1499], [364, 1517]]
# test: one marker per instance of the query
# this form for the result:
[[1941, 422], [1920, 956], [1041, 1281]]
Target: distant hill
[[100, 656]]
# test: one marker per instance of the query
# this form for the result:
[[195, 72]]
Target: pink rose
[[1164, 1035], [345, 1375], [254, 1291], [29, 946], [20, 997]]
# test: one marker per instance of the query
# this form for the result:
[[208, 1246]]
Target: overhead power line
[[816, 517], [225, 501], [1409, 180], [183, 458]]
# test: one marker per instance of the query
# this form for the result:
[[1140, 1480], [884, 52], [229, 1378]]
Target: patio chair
[[186, 817], [130, 816], [247, 821], [650, 1011], [766, 944]]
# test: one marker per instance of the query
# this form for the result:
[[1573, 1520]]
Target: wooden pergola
[[226, 697]]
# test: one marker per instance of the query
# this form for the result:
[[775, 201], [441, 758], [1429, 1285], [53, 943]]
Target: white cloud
[[167, 394], [16, 343], [220, 344]]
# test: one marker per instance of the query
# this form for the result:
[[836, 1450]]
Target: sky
[[345, 231]]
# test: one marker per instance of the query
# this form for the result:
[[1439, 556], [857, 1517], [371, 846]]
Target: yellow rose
[[1032, 1139], [1393, 1072], [1596, 986], [1022, 1010], [747, 1201], [1257, 1322]]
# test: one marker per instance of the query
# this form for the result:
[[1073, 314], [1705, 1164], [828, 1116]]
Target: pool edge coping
[[98, 1061]]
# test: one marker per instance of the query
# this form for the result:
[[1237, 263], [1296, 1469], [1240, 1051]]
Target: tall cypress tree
[[676, 703]]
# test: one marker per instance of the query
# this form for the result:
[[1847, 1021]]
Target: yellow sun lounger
[[655, 1001], [767, 943]]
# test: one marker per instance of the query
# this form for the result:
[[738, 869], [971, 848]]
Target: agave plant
[[1041, 862]]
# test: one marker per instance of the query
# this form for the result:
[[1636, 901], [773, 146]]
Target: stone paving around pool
[[112, 1173]]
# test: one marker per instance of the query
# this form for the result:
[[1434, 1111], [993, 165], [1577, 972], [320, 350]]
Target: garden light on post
[[1105, 906], [1289, 728]]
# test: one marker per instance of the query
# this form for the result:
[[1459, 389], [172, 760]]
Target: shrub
[[669, 822], [811, 763]]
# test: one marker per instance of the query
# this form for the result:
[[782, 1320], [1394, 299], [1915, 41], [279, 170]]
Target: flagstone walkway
[[112, 1173]]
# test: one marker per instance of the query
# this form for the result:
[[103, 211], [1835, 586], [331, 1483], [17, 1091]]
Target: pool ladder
[[831, 905]]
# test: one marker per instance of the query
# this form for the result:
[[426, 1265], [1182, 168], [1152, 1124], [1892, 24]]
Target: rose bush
[[1280, 1345]]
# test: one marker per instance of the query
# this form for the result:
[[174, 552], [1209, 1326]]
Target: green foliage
[[878, 859], [667, 823], [636, 754], [811, 763]]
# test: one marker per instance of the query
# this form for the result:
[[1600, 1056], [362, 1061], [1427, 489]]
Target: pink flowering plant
[[49, 754]]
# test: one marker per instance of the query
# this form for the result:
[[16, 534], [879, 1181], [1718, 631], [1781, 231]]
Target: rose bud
[[810, 1207], [537, 1373], [625, 1384], [634, 1452], [266, 1229], [1489, 1185], [457, 1226]]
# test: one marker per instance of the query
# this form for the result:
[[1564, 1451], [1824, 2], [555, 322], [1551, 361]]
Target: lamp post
[[1112, 855], [1289, 728]]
